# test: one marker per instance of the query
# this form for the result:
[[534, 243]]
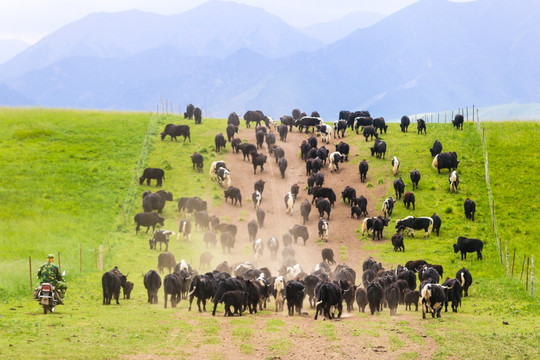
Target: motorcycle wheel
[[45, 309]]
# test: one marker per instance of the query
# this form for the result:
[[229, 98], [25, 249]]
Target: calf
[[234, 194], [216, 165], [323, 205], [161, 237], [258, 160], [278, 152], [152, 283], [235, 299], [411, 297], [127, 289], [465, 279], [270, 139], [397, 242], [323, 229], [388, 207], [415, 178], [466, 245], [408, 199], [299, 231], [361, 299], [421, 126], [411, 223], [152, 173], [367, 225], [202, 220], [149, 219], [399, 187], [470, 209], [436, 223], [363, 168], [288, 121], [229, 284], [446, 160], [395, 165], [259, 138], [256, 197], [436, 148], [219, 141], [305, 209], [453, 180]]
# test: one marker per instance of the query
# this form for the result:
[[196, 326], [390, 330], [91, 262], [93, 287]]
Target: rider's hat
[[50, 256]]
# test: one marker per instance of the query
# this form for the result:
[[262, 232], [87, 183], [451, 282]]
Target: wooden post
[[507, 258], [452, 118], [500, 249], [473, 113], [532, 275], [438, 116], [30, 266], [80, 258], [101, 257], [59, 263], [513, 260], [445, 116], [527, 276], [467, 108], [522, 268]]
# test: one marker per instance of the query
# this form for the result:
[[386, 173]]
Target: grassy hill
[[68, 182]]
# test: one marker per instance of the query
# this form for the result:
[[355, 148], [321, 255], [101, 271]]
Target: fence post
[[507, 258], [101, 257], [473, 113], [522, 268], [30, 266], [513, 261], [527, 276], [532, 275]]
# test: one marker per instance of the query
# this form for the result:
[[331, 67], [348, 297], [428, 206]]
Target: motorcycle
[[48, 296]]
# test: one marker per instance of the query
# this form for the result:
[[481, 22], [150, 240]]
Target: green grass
[[68, 181]]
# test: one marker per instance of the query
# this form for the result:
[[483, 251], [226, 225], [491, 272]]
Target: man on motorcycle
[[50, 273]]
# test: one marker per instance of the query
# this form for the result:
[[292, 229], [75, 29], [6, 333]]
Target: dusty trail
[[300, 337]]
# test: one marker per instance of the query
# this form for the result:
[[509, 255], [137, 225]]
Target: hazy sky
[[30, 20]]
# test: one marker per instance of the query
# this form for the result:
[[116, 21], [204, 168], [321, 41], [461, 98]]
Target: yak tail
[[435, 161], [462, 279], [192, 291]]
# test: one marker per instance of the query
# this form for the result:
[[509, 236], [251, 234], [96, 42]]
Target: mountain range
[[224, 57]]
